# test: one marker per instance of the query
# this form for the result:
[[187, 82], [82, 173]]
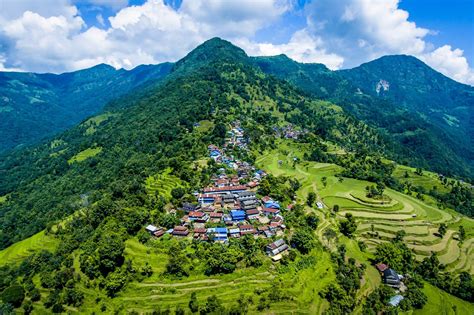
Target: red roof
[[381, 267], [252, 231], [159, 233], [225, 188], [271, 210], [252, 211], [266, 198], [180, 228], [275, 224], [263, 228], [216, 214], [196, 214], [200, 231]]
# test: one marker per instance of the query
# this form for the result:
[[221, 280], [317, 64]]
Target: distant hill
[[34, 106], [427, 113]]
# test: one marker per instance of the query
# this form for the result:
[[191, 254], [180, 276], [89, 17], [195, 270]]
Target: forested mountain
[[34, 106], [420, 109], [151, 131], [93, 189]]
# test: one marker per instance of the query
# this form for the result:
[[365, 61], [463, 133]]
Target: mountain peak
[[214, 49]]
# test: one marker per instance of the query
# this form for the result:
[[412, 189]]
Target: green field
[[83, 155], [95, 121], [3, 199], [162, 184], [18, 251], [386, 219]]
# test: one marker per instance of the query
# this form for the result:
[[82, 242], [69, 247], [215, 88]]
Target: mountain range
[[427, 115], [328, 149]]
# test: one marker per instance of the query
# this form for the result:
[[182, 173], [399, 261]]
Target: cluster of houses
[[289, 132], [393, 279], [229, 207]]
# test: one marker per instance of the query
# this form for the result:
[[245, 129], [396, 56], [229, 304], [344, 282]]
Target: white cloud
[[451, 63], [302, 47], [50, 35]]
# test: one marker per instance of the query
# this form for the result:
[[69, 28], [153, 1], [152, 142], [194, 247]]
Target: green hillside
[[152, 155]]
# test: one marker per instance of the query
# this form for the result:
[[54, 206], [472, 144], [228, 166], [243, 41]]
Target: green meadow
[[84, 155]]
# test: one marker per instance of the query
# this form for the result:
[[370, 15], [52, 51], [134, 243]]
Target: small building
[[151, 229], [180, 231], [198, 216], [395, 300], [218, 234], [247, 229], [248, 204], [237, 215], [252, 214], [159, 233], [272, 204], [188, 207], [381, 267], [277, 247], [270, 211], [391, 278], [228, 198], [206, 198], [216, 216], [235, 232]]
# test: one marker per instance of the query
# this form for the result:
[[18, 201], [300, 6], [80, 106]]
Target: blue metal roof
[[221, 230]]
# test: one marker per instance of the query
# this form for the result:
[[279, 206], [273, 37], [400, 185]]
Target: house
[[151, 229], [381, 267], [228, 198], [249, 204], [277, 247], [200, 233], [266, 199], [206, 198], [395, 300], [272, 204], [216, 216], [180, 231], [235, 232], [218, 234], [245, 195], [198, 216], [391, 278], [224, 189], [247, 229], [252, 214], [159, 233], [270, 211], [188, 207], [237, 215]]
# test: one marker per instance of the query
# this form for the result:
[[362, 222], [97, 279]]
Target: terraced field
[[18, 251], [377, 221], [162, 184], [83, 155]]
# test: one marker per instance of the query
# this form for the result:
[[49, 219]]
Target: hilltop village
[[229, 207]]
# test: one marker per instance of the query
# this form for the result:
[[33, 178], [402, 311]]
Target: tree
[[213, 306], [303, 240], [335, 208], [348, 226], [193, 303], [329, 234], [312, 221], [324, 180], [442, 229], [311, 198], [28, 307], [114, 282], [35, 295], [399, 235], [13, 295], [395, 254], [143, 236], [178, 192], [462, 233]]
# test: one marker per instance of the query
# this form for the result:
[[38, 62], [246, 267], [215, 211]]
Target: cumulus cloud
[[450, 62], [301, 47], [50, 35]]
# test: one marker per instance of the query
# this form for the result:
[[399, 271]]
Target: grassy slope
[[389, 218], [162, 184], [85, 154], [18, 251]]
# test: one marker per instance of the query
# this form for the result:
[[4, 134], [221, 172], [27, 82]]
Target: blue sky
[[65, 35]]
